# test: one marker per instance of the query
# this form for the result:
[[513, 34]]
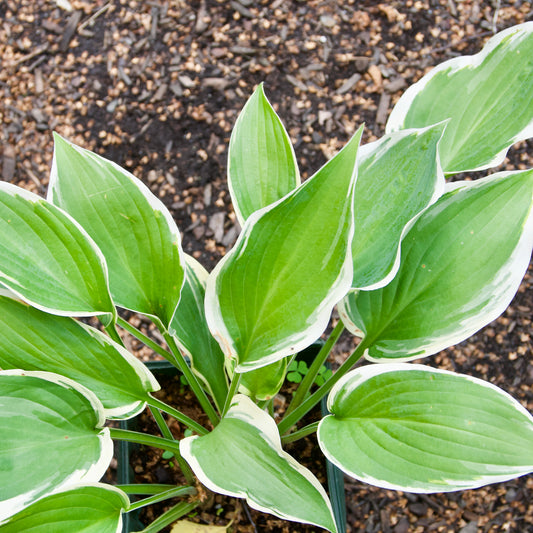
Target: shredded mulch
[[156, 86]]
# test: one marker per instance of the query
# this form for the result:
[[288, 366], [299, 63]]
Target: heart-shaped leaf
[[272, 295], [34, 340], [194, 339], [398, 176], [461, 265], [242, 457], [487, 96], [52, 437], [48, 260], [413, 428], [91, 508], [132, 227], [262, 166]]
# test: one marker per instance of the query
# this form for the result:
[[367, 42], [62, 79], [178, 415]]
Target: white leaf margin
[[244, 409], [400, 110], [196, 274], [155, 203], [14, 190], [519, 261], [95, 472], [375, 147], [319, 320], [75, 486], [146, 377], [355, 378], [238, 122]]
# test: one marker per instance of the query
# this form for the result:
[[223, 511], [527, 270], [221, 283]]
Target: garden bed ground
[[156, 86]]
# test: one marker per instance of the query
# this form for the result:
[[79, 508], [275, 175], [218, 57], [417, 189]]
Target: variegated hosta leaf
[[190, 330], [272, 295], [265, 382], [262, 166], [242, 457], [398, 176], [48, 260], [487, 96], [52, 437], [461, 265], [132, 227], [413, 428], [34, 340], [93, 508]]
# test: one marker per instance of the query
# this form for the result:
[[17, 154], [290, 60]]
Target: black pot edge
[[125, 473]]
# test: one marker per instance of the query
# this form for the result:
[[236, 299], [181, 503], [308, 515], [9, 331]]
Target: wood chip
[[216, 225], [243, 50], [160, 93], [231, 236], [244, 11], [8, 163], [296, 82], [383, 108], [375, 74], [395, 85], [201, 20], [39, 84], [186, 82], [216, 83], [349, 83], [69, 30]]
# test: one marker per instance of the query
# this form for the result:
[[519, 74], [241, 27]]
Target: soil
[[156, 86]]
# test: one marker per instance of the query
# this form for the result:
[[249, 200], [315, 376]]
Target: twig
[[495, 17], [92, 18], [249, 515], [39, 50]]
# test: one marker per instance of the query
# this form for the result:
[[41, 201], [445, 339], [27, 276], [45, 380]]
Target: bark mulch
[[156, 86]]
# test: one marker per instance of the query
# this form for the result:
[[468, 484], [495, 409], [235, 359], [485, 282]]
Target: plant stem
[[160, 421], [170, 516], [233, 388], [113, 333], [144, 438], [145, 488], [175, 492], [300, 434], [178, 415], [132, 330], [192, 381], [288, 421], [305, 386]]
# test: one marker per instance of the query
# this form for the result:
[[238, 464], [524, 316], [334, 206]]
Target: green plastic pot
[[125, 474]]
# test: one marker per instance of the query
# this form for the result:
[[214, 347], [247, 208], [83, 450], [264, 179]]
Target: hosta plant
[[413, 264]]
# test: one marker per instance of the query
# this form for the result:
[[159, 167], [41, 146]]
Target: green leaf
[[398, 176], [34, 340], [461, 265], [242, 457], [487, 96], [52, 437], [294, 377], [48, 260], [265, 382], [273, 293], [91, 508], [262, 166], [133, 228], [193, 337], [412, 428]]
